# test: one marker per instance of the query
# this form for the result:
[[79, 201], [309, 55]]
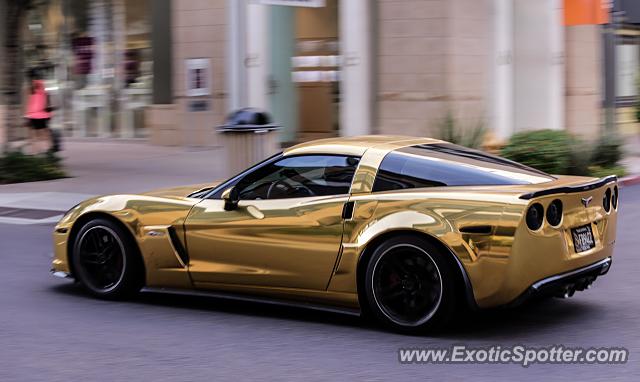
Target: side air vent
[[177, 245], [477, 229]]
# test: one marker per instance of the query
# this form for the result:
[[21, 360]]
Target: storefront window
[[315, 70], [627, 70], [95, 58]]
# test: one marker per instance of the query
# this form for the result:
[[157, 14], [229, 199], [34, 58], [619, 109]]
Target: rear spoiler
[[570, 189]]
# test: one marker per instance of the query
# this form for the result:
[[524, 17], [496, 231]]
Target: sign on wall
[[296, 3], [198, 77], [586, 12]]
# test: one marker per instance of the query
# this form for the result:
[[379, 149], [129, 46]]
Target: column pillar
[[503, 68], [247, 54], [236, 29], [556, 74], [125, 116], [356, 73], [256, 59], [3, 98], [162, 52]]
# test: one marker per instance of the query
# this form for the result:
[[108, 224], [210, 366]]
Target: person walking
[[37, 116]]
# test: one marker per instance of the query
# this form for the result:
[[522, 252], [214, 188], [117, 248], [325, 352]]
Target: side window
[[217, 191], [437, 165], [399, 171], [300, 176]]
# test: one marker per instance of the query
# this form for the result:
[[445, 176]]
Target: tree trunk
[[13, 72]]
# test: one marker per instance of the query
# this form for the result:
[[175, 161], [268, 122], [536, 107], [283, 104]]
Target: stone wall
[[199, 31], [432, 59], [583, 70]]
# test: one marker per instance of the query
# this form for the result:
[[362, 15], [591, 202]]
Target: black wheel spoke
[[90, 258], [394, 295], [407, 284], [101, 256], [95, 238], [390, 291]]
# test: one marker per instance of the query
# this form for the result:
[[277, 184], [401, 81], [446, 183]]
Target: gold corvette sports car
[[406, 230]]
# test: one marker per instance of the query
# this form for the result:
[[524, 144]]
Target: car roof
[[357, 145]]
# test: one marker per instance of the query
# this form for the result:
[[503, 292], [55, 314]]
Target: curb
[[629, 180]]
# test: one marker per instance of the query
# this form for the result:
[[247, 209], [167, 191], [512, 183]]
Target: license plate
[[583, 238]]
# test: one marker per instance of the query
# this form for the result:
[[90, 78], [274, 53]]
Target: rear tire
[[409, 285], [106, 260]]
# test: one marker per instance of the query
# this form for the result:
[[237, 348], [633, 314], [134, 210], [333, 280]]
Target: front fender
[[134, 211], [147, 218]]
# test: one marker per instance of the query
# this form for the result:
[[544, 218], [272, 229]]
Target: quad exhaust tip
[[570, 289]]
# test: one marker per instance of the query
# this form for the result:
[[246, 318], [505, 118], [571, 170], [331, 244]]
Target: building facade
[[337, 67], [305, 64], [169, 71], [623, 73]]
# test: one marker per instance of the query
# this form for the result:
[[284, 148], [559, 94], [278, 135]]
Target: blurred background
[[476, 72], [138, 95]]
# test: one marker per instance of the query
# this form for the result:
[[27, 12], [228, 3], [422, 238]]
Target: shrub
[[580, 158], [451, 131], [601, 172], [545, 150], [607, 151], [558, 152], [16, 167]]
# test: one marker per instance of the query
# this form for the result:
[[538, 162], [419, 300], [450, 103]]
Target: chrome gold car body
[[307, 249]]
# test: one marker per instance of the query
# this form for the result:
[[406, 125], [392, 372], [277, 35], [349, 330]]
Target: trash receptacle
[[249, 136]]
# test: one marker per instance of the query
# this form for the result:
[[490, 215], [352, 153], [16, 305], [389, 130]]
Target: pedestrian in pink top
[[38, 115]]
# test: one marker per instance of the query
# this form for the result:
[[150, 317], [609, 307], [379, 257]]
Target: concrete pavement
[[631, 160], [99, 167], [107, 167]]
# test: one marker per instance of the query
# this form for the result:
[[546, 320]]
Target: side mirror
[[231, 198]]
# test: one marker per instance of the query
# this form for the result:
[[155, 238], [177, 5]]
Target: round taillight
[[535, 214], [606, 200], [614, 198], [554, 213]]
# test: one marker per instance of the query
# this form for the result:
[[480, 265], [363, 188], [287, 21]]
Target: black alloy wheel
[[409, 285], [106, 261]]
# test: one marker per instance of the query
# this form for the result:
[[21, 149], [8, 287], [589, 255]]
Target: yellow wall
[[627, 123]]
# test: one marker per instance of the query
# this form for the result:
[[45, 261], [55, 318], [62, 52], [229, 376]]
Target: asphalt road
[[50, 330]]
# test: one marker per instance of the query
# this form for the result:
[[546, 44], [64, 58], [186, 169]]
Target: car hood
[[180, 191]]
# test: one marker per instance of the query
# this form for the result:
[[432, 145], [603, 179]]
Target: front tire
[[409, 285], [106, 260]]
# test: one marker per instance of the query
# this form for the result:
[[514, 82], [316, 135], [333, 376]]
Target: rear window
[[445, 164]]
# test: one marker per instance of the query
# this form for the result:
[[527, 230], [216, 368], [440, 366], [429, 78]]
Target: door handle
[[255, 212], [347, 210]]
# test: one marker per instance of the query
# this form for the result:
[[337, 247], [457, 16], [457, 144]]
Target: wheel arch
[[92, 215], [461, 277]]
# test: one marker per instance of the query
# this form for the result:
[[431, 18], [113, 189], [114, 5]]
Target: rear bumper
[[517, 261], [565, 284]]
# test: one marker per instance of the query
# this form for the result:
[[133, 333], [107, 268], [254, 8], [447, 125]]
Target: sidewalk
[[632, 157], [632, 161], [107, 167]]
